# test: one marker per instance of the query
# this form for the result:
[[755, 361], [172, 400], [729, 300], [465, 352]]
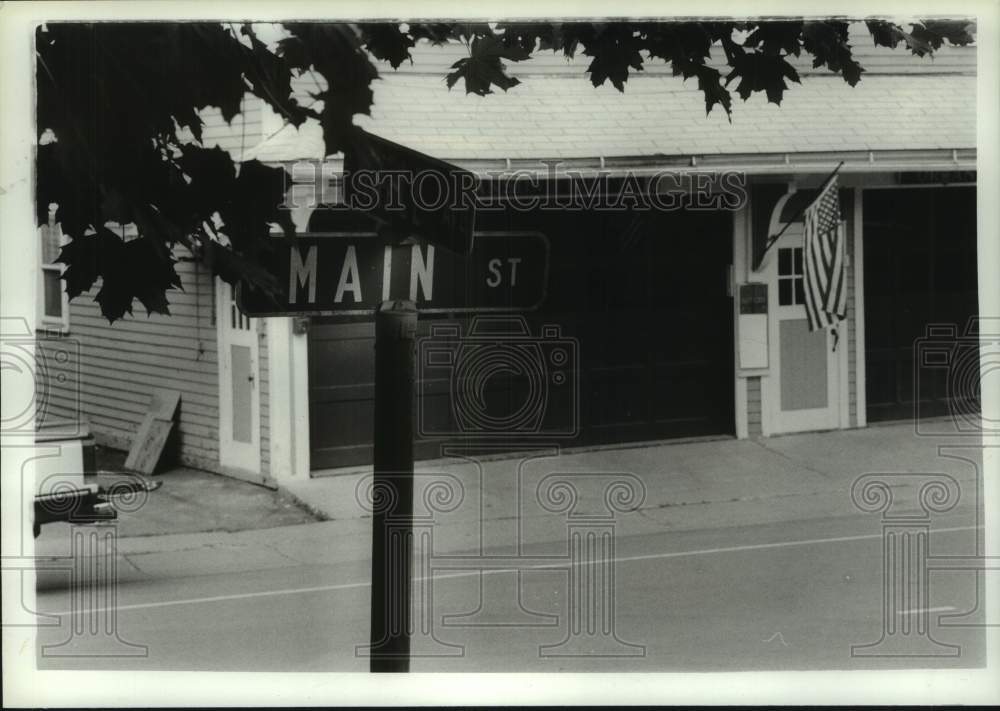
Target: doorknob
[[250, 377]]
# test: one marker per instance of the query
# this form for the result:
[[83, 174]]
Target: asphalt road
[[788, 596]]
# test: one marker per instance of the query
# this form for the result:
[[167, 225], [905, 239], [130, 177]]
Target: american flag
[[825, 273]]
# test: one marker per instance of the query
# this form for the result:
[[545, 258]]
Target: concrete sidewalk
[[498, 502], [510, 504], [780, 470]]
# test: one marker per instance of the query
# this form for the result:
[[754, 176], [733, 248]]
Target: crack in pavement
[[132, 563], [790, 460]]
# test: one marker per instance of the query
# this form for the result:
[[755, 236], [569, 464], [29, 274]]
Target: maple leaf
[[261, 191], [890, 35], [710, 85], [760, 72], [933, 33], [686, 45], [335, 52], [146, 271], [615, 51], [776, 37], [483, 68], [387, 42], [87, 258], [270, 78], [827, 42], [113, 97]]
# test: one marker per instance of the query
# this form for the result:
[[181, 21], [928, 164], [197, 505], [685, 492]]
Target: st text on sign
[[350, 274]]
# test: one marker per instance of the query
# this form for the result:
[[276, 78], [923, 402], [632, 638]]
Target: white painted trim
[[766, 411], [780, 422], [58, 324], [844, 387], [289, 401], [741, 219], [298, 383], [843, 346], [279, 331], [235, 458], [861, 367], [742, 428]]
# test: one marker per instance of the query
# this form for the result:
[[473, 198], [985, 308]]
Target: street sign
[[350, 274], [414, 194]]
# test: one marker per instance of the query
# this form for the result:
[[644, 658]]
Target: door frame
[[836, 414], [238, 459]]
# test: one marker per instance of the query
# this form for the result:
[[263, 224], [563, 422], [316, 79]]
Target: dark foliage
[[115, 99]]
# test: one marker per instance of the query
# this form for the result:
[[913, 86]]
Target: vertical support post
[[392, 524]]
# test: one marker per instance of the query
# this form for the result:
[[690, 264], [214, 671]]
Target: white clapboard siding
[[754, 413], [120, 364], [106, 372], [236, 137]]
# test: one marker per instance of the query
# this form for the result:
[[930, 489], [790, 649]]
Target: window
[[52, 299], [791, 289]]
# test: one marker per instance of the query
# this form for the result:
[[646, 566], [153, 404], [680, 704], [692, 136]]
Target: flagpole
[[802, 210]]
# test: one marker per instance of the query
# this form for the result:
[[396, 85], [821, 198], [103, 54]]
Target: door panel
[[803, 387], [242, 393], [239, 395], [803, 366], [920, 269]]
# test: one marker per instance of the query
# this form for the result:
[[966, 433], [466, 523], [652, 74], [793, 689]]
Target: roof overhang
[[858, 162]]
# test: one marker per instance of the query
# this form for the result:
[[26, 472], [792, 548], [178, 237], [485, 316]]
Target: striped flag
[[824, 257]]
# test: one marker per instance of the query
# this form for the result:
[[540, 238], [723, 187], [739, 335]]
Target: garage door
[[641, 303], [920, 269]]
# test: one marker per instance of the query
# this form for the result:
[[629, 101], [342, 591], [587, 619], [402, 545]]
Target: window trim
[[795, 277], [53, 324]]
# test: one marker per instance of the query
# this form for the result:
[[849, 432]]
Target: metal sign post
[[392, 520], [352, 275]]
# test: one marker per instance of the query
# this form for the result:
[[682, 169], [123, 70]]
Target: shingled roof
[[561, 118], [902, 104]]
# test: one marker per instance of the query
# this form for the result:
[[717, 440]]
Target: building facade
[[685, 326]]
